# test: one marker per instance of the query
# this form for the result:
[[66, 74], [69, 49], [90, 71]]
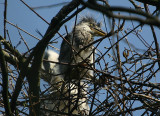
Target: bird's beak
[[98, 32]]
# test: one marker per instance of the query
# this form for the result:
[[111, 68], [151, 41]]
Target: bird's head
[[92, 26]]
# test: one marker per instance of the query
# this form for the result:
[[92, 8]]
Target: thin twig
[[23, 39]]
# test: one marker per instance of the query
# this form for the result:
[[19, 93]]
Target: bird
[[67, 77], [49, 69], [73, 51], [55, 102]]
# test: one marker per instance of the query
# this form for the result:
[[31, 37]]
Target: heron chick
[[68, 91], [72, 49], [56, 103], [49, 68]]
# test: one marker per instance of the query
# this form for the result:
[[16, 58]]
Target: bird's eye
[[92, 25]]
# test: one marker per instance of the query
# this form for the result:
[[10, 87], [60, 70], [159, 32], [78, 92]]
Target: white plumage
[[54, 102], [74, 51], [51, 69], [68, 92]]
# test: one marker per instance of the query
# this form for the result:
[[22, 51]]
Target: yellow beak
[[98, 32]]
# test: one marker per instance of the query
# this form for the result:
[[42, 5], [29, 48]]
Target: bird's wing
[[50, 55], [50, 67], [65, 50]]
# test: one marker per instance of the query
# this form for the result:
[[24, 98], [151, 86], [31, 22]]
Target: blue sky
[[21, 16]]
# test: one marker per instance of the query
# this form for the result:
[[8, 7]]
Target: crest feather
[[89, 19]]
